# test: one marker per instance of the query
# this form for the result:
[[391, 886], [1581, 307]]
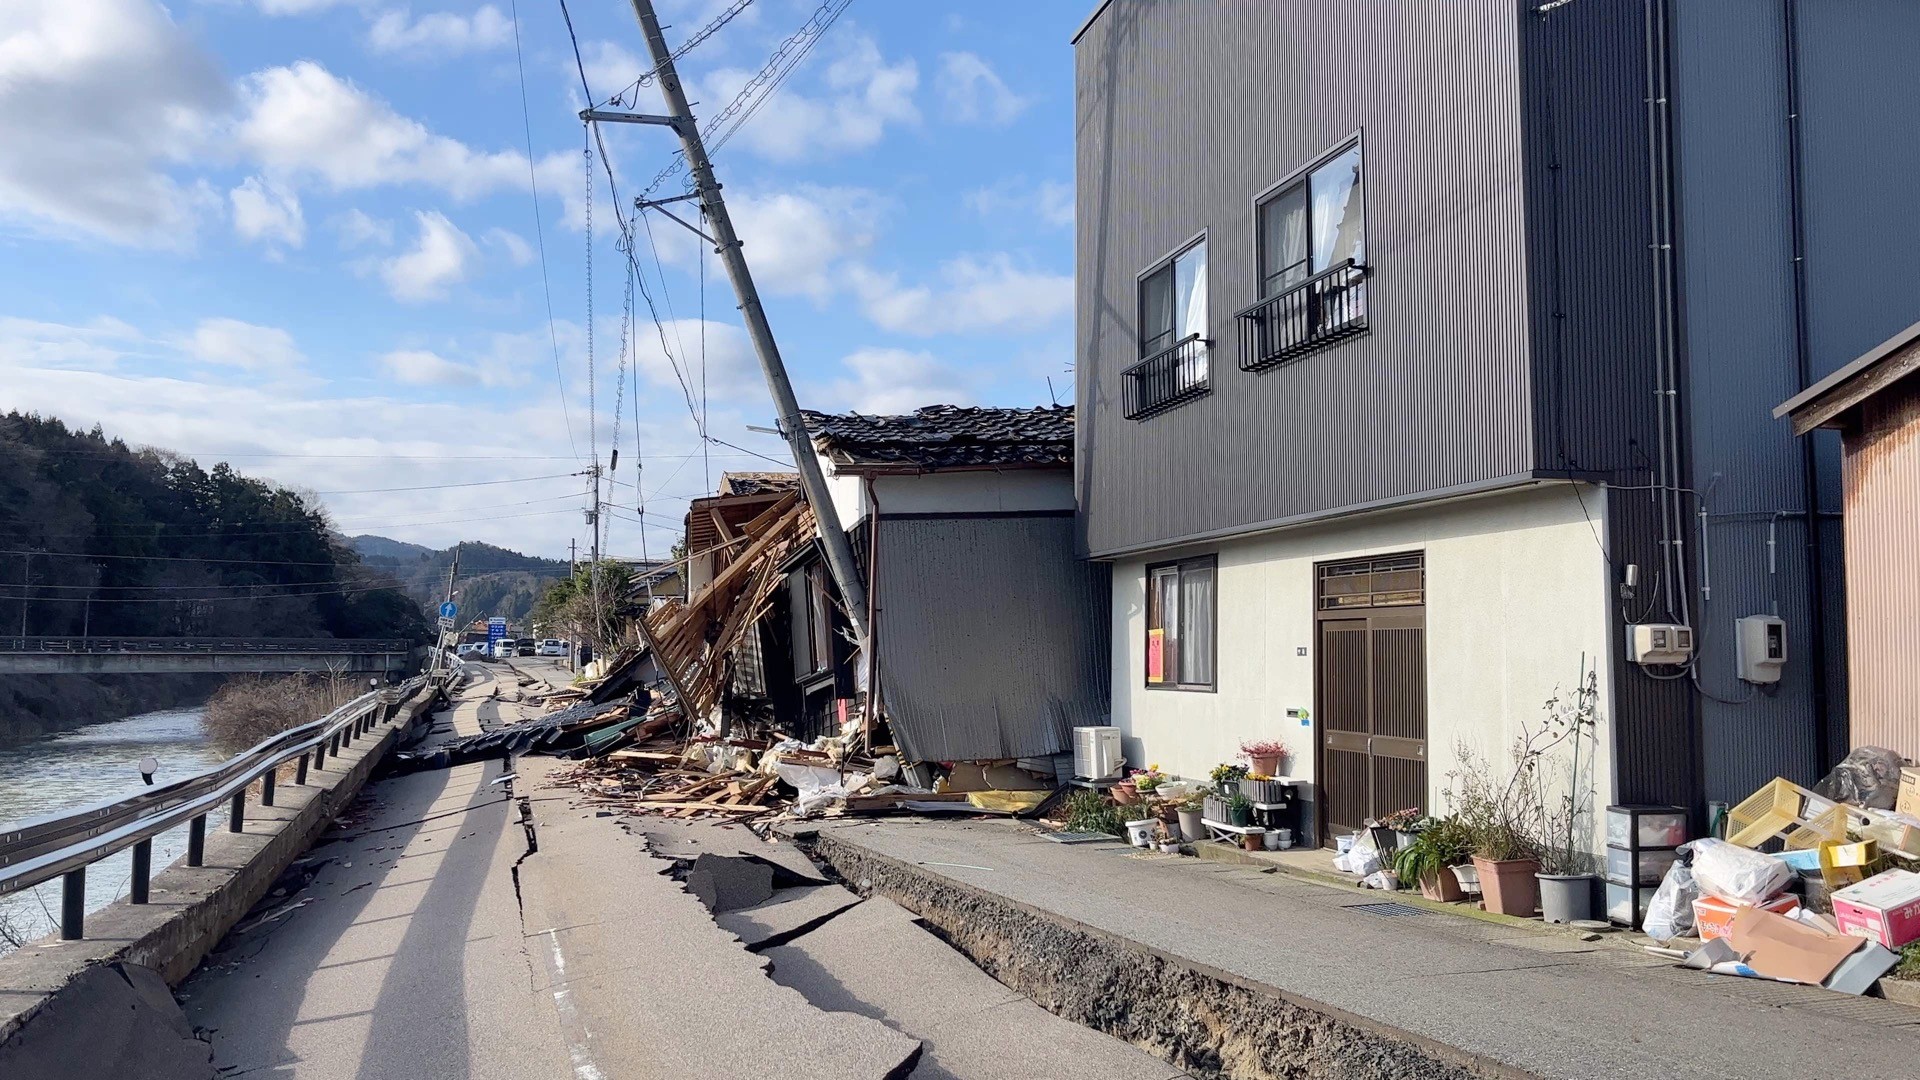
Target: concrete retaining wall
[[191, 908]]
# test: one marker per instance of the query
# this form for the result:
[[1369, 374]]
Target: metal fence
[[199, 645], [64, 844]]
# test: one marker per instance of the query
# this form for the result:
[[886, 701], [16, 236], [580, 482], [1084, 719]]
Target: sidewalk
[[1478, 997]]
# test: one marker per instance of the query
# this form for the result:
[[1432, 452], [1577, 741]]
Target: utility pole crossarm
[[629, 118], [813, 481]]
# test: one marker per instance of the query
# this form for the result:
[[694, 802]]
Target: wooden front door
[[1371, 688]]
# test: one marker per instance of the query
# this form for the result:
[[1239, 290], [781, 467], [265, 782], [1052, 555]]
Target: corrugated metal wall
[[1883, 570], [992, 635], [1188, 110]]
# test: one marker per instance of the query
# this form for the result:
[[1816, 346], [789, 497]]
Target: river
[[89, 765]]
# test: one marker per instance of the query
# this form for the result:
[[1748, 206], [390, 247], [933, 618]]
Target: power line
[[438, 487], [540, 233], [686, 47]]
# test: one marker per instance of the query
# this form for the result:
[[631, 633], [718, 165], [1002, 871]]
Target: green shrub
[[1092, 812]]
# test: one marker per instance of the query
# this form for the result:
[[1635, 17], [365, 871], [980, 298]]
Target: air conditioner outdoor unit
[[1096, 752]]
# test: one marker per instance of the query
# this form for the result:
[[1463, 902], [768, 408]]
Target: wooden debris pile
[[693, 642], [737, 780]]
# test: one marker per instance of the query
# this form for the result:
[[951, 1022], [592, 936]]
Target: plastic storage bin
[[1621, 905], [1657, 827], [1653, 865]]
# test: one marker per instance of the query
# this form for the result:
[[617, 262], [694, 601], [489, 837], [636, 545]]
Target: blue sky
[[300, 235]]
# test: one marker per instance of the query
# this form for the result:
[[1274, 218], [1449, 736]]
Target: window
[[1173, 334], [1180, 625], [812, 613], [1310, 244]]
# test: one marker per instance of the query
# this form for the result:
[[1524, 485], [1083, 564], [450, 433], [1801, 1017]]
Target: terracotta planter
[[1509, 886], [1125, 793], [1268, 765], [1442, 886], [1252, 841]]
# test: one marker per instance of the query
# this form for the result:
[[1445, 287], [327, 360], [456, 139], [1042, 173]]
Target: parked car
[[503, 649], [523, 647], [553, 647]]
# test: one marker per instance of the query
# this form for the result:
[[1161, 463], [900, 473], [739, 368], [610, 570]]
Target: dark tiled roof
[[757, 483], [948, 436]]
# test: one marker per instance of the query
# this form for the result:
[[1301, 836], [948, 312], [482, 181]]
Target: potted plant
[[1265, 755], [1262, 788], [1148, 780], [1496, 817], [1192, 809], [1252, 841], [1140, 824], [1125, 792], [1567, 880], [1226, 777], [1437, 848], [1395, 830], [1239, 809]]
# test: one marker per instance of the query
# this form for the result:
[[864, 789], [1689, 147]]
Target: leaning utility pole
[[840, 562]]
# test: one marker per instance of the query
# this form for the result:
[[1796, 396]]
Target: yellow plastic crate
[[1785, 810]]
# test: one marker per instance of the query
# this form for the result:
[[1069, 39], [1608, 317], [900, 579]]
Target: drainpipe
[[873, 611], [1659, 179], [1803, 363]]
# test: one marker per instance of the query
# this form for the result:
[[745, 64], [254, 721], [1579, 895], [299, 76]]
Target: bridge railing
[[200, 645], [64, 844]]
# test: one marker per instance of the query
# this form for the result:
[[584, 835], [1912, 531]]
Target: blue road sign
[[449, 609]]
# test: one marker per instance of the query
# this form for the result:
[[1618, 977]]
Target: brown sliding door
[[1371, 688]]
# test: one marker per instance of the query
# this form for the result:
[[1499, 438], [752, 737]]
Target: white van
[[553, 646], [503, 649]]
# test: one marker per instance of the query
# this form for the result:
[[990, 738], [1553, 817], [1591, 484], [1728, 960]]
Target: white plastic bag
[[1732, 872], [1362, 859], [1670, 914]]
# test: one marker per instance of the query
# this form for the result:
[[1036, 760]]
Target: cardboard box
[[1713, 917], [1787, 949], [1842, 865], [1909, 800], [1884, 908]]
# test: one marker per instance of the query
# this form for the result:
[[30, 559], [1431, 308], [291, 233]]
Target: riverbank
[[35, 705]]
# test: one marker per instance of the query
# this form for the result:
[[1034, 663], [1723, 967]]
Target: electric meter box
[[1659, 643], [1760, 647]]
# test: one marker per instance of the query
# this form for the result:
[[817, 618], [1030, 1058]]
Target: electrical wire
[[686, 47], [540, 231]]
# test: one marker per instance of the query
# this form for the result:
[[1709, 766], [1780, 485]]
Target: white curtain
[[1190, 311], [1196, 625]]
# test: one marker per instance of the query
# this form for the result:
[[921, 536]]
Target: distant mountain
[[368, 546], [493, 580]]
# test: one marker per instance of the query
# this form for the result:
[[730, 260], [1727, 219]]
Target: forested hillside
[[101, 538], [493, 580]]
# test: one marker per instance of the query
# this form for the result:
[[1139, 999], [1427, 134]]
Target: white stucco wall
[[960, 492], [1517, 591]]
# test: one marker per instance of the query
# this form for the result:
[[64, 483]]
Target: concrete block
[[116, 1020]]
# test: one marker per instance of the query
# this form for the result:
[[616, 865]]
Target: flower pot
[[1509, 886], [1283, 838], [1403, 838], [1139, 832], [1125, 793], [1170, 847], [1239, 815], [1216, 808], [1566, 898], [1272, 839], [1385, 841], [1251, 841], [1443, 887], [1266, 764], [1468, 877], [1264, 791], [1191, 827]]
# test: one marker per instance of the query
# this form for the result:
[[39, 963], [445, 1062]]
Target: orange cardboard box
[[1713, 917]]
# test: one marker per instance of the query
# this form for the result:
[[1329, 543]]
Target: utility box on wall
[[1760, 647], [1659, 643]]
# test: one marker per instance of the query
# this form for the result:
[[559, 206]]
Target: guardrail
[[200, 645], [64, 844]]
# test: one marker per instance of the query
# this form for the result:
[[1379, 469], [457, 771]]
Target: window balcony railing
[[1319, 311], [1175, 374]]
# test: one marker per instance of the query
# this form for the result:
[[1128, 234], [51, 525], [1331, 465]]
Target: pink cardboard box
[[1884, 908]]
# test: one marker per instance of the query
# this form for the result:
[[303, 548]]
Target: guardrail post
[[73, 904], [142, 870], [300, 771], [320, 755], [237, 817], [266, 786], [197, 841]]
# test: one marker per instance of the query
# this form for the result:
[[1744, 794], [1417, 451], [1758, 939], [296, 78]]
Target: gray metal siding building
[[1521, 171]]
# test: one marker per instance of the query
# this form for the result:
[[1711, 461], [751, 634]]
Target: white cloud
[[441, 256], [609, 67], [796, 239], [1050, 202], [264, 210], [975, 295], [98, 100], [98, 345], [890, 381], [517, 250], [974, 93], [357, 228], [731, 371], [863, 95], [441, 33], [302, 7], [232, 343], [303, 120], [418, 367]]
